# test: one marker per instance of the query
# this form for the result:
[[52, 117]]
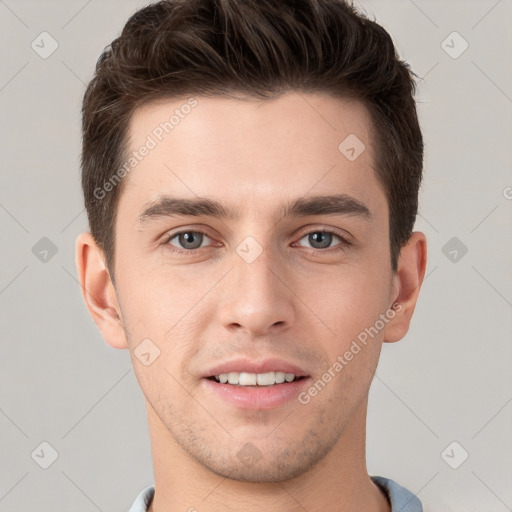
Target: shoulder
[[400, 498], [143, 499]]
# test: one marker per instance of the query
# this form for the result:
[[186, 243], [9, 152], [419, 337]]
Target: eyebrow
[[339, 204]]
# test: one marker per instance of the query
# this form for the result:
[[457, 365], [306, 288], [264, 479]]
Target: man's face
[[256, 285]]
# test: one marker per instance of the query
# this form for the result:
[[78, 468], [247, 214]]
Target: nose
[[258, 297]]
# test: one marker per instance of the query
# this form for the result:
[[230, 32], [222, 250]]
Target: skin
[[202, 308]]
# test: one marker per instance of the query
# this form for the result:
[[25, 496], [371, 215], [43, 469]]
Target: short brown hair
[[259, 48]]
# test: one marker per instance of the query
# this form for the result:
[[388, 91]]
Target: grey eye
[[320, 239], [188, 239]]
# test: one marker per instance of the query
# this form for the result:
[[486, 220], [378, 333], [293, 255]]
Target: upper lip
[[254, 366]]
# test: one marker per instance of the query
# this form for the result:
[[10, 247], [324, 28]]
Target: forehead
[[315, 116], [251, 152]]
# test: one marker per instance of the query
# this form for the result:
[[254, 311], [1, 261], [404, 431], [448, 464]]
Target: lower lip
[[258, 397]]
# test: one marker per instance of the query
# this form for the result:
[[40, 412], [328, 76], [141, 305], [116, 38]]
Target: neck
[[340, 480]]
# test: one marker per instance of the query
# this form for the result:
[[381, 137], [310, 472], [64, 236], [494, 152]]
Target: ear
[[98, 291], [406, 286]]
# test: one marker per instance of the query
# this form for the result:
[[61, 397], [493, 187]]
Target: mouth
[[249, 383], [242, 390], [255, 380]]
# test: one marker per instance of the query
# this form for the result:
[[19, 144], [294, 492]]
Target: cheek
[[349, 307], [347, 300], [157, 296], [167, 306]]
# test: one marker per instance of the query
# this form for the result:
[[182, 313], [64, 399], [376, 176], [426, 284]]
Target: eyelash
[[339, 247]]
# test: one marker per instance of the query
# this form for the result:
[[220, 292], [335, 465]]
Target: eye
[[322, 239], [188, 240]]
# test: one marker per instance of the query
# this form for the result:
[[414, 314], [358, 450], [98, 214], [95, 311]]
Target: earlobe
[[98, 291], [409, 276]]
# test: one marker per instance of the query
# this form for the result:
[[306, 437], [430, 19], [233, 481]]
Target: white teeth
[[280, 376], [247, 379], [233, 377], [253, 379], [266, 379]]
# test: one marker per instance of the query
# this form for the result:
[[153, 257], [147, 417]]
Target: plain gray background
[[443, 392]]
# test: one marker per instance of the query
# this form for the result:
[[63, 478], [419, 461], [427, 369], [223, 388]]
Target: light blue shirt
[[400, 498]]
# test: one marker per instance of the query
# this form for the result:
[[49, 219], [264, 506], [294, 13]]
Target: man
[[251, 172]]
